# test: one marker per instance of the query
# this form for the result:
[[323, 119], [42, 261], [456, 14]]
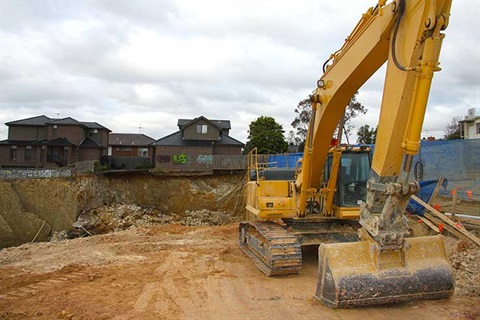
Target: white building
[[470, 125]]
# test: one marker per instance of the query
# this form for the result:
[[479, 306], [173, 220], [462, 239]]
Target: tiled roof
[[89, 143], [21, 142], [67, 120], [129, 139], [176, 139], [94, 125], [59, 142], [34, 121], [221, 124], [44, 120]]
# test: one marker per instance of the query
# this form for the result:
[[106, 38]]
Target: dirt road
[[175, 272]]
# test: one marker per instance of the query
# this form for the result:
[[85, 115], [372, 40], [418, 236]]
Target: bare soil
[[175, 271]]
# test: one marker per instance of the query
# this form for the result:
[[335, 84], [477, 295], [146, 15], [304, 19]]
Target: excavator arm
[[287, 209], [384, 266], [368, 47]]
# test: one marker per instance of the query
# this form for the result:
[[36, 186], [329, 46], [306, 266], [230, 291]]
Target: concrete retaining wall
[[10, 174]]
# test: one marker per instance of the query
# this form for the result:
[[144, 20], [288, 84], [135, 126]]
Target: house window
[[478, 128], [125, 149], [65, 154], [54, 131], [59, 155], [202, 128], [28, 153], [94, 131], [13, 153], [142, 152], [42, 154]]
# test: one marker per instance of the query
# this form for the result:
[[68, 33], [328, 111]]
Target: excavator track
[[271, 247]]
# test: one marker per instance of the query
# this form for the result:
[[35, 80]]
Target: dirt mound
[[465, 260], [117, 217]]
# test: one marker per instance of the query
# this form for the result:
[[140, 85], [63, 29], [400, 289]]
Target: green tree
[[366, 135], [452, 130], [266, 135], [304, 111], [300, 124]]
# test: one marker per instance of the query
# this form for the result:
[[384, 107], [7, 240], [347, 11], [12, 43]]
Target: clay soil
[[178, 272]]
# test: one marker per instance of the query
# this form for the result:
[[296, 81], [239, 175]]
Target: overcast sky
[[132, 64]]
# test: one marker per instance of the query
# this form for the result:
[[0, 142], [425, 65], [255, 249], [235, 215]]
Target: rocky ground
[[143, 264], [465, 261], [116, 217]]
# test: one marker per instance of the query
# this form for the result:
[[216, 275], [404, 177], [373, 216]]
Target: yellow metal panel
[[251, 194], [347, 213], [276, 207], [273, 188]]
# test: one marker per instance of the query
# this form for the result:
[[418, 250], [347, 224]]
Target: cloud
[[126, 64]]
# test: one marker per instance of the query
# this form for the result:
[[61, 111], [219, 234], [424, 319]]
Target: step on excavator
[[350, 203]]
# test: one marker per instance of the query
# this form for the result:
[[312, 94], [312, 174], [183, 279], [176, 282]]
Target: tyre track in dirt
[[176, 272]]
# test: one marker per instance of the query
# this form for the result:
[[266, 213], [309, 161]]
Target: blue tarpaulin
[[426, 190], [284, 160], [456, 160]]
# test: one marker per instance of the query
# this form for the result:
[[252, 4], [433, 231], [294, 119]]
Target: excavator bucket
[[359, 274]]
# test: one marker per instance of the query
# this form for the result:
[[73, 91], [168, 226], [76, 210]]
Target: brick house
[[130, 150], [43, 142], [122, 145], [195, 144]]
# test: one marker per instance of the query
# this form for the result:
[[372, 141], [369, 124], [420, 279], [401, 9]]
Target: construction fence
[[456, 160]]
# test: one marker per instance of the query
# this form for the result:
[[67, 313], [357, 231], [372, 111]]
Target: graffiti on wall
[[205, 159], [163, 158], [35, 173], [179, 159], [182, 159]]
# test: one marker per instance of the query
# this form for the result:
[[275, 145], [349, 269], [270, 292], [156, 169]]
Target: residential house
[[195, 144], [470, 125], [129, 150], [43, 142]]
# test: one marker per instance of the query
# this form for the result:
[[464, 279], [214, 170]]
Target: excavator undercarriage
[[276, 248], [271, 247]]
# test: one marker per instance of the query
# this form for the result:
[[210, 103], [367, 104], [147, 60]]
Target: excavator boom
[[385, 266], [333, 188]]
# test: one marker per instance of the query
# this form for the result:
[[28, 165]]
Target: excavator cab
[[353, 172]]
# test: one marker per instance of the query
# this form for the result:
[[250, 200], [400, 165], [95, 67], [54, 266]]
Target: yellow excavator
[[352, 205]]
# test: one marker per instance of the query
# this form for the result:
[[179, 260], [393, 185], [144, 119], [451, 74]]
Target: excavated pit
[[41, 208], [169, 251]]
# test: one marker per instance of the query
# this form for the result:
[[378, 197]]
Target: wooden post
[[454, 204], [35, 238], [435, 191]]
